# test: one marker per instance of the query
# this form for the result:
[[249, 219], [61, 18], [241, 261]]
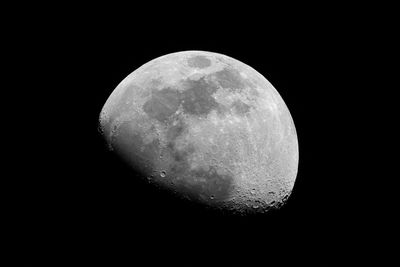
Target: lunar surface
[[206, 127]]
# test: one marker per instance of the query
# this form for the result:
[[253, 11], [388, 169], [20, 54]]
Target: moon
[[206, 127]]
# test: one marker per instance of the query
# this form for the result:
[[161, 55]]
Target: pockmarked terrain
[[207, 127]]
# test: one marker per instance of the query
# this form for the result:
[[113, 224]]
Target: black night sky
[[72, 198]]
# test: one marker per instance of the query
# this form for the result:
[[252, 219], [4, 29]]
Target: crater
[[199, 62]]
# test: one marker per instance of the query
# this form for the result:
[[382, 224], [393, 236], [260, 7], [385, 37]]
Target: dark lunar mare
[[196, 98], [229, 78], [199, 61], [162, 104]]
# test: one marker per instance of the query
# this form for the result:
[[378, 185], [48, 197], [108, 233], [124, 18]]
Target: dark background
[[72, 199]]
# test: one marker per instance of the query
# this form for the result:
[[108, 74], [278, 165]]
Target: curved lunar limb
[[207, 127]]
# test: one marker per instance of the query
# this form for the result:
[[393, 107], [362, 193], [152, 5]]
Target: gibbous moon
[[207, 127]]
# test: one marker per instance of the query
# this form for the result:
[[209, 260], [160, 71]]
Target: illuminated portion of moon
[[208, 127]]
